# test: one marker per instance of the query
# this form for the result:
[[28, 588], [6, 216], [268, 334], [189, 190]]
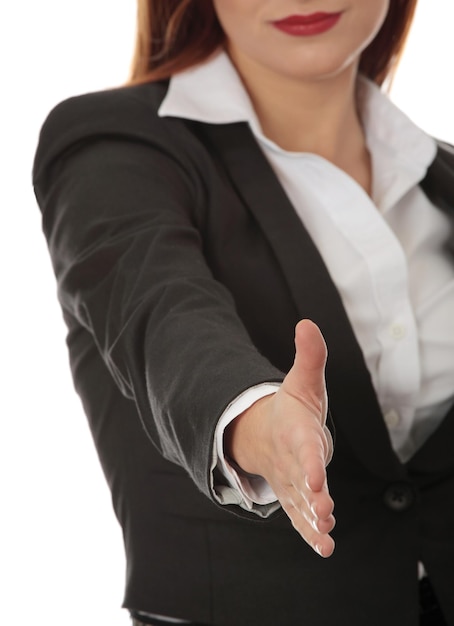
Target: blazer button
[[399, 497]]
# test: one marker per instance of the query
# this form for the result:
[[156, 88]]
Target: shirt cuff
[[235, 486]]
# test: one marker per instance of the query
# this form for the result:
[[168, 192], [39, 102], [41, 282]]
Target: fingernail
[[306, 480], [318, 549], [313, 511], [315, 525]]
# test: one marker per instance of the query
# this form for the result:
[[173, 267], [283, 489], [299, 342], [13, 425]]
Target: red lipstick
[[307, 25]]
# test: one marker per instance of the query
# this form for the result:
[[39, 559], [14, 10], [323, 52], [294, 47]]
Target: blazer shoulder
[[124, 113], [104, 109]]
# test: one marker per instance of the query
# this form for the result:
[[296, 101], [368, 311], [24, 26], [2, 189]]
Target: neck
[[316, 116]]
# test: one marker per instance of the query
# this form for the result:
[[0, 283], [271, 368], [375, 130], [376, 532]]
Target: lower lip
[[309, 27]]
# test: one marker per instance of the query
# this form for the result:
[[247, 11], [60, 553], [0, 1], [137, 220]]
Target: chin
[[305, 71]]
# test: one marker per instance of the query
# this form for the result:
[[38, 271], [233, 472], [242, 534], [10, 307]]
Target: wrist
[[243, 438]]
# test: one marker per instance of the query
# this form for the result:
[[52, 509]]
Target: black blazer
[[182, 270]]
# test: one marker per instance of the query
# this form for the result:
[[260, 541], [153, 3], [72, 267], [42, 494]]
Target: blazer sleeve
[[122, 214]]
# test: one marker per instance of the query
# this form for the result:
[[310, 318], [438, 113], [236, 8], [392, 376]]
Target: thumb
[[306, 379]]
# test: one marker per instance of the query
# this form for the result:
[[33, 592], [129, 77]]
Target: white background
[[61, 555]]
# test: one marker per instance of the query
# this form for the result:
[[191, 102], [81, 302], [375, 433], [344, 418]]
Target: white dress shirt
[[384, 254]]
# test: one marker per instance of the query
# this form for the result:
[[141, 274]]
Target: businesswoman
[[253, 175]]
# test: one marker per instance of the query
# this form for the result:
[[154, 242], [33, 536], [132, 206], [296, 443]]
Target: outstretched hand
[[284, 438]]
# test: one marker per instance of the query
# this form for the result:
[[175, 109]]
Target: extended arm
[[124, 221], [121, 222]]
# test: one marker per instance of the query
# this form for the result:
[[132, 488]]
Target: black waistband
[[143, 618]]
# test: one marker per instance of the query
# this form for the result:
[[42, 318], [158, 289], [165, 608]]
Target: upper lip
[[306, 19]]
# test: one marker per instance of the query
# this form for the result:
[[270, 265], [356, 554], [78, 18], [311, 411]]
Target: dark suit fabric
[[182, 270]]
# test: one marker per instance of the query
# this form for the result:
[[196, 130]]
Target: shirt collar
[[213, 92]]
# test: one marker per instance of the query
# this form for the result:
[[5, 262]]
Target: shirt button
[[392, 419], [397, 331]]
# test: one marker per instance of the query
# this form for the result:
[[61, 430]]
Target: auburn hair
[[173, 35]]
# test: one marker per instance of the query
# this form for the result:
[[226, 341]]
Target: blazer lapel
[[436, 453], [353, 401], [439, 182], [439, 186]]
